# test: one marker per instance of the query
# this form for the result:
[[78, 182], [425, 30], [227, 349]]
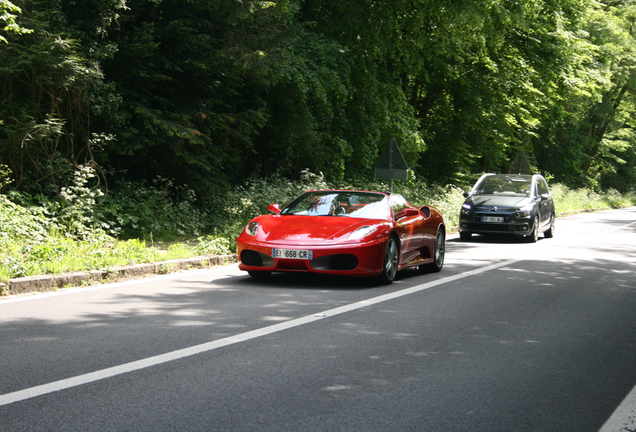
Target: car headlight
[[524, 212], [466, 209], [251, 228], [362, 232]]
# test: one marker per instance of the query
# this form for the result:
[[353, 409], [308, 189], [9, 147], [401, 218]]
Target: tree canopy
[[214, 93]]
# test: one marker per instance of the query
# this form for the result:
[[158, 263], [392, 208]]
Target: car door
[[407, 223], [547, 203]]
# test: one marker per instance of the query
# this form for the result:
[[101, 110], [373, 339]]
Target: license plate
[[292, 254], [498, 219]]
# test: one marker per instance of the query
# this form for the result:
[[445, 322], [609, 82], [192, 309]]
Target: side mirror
[[545, 197], [407, 212], [274, 208], [466, 194]]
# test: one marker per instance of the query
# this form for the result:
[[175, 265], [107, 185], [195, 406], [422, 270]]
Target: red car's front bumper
[[361, 259]]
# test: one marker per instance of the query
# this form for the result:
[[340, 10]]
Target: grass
[[573, 200]]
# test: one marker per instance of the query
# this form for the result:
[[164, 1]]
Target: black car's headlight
[[251, 228], [524, 212], [466, 209]]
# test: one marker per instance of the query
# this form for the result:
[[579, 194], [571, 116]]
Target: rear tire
[[438, 254], [550, 232], [390, 262]]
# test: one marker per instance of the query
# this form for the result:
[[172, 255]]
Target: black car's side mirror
[[466, 194]]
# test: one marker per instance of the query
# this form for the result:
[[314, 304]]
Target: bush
[[160, 211], [18, 223], [570, 200]]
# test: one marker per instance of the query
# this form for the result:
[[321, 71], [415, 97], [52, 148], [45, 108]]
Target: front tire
[[465, 235], [534, 236], [390, 262]]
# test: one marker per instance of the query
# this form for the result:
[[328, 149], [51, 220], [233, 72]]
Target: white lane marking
[[624, 418], [44, 389]]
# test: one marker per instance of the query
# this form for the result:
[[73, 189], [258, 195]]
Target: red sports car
[[344, 232]]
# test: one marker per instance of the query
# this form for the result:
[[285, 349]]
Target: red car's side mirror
[[407, 212], [274, 208]]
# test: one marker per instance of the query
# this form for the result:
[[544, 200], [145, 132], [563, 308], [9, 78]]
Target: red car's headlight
[[251, 228], [362, 232]]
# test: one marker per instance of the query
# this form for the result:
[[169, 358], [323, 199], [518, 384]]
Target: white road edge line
[[624, 418], [64, 384], [103, 286]]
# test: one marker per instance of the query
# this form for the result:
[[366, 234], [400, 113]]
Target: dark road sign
[[391, 164]]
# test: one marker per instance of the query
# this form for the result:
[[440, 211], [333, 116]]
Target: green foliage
[[5, 176], [45, 103], [18, 223], [212, 94], [75, 213], [214, 245], [160, 210], [572, 200], [9, 14]]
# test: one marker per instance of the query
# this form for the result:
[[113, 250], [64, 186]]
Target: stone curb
[[45, 283], [575, 212]]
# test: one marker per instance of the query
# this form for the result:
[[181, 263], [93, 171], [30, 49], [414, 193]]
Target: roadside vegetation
[[85, 229]]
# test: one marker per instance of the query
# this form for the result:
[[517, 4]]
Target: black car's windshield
[[366, 205], [515, 185]]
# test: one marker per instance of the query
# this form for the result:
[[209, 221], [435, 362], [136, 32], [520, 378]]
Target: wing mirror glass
[[274, 208]]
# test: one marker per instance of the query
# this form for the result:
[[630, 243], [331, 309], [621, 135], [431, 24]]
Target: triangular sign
[[391, 163], [520, 165]]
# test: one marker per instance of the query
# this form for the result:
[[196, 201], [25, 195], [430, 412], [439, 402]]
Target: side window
[[543, 187]]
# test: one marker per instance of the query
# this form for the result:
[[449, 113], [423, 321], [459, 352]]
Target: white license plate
[[292, 254], [498, 219]]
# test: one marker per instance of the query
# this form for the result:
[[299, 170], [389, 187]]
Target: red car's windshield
[[366, 205]]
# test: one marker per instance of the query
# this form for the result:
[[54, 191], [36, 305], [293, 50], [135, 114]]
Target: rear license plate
[[498, 219], [292, 254]]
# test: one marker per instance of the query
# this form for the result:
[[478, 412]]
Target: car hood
[[289, 229], [498, 201]]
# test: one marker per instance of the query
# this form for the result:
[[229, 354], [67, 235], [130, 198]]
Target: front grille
[[290, 264], [256, 259], [251, 258], [491, 227]]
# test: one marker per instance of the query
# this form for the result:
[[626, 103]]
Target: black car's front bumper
[[511, 224]]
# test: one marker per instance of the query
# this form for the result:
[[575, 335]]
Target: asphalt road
[[509, 336]]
